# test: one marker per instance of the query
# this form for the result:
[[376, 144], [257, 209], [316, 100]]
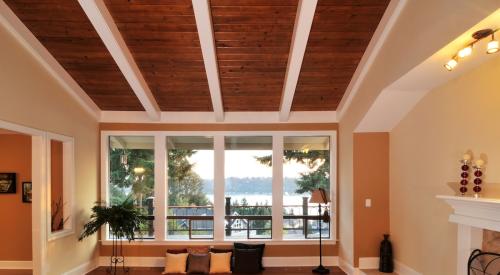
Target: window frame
[[161, 184], [68, 186]]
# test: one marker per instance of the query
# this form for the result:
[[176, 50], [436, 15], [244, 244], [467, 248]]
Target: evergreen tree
[[317, 160]]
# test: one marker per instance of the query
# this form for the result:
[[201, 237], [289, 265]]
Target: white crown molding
[[103, 23], [380, 35], [301, 30], [16, 265], [24, 36], [209, 117], [204, 25]]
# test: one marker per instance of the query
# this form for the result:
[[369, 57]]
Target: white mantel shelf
[[472, 216], [477, 212]]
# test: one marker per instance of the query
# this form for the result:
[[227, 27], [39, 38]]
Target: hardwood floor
[[268, 271]]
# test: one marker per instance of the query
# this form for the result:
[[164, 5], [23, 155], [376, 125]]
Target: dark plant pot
[[386, 264]]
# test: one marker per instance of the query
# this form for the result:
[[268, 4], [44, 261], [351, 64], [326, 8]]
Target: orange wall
[[15, 216], [371, 180]]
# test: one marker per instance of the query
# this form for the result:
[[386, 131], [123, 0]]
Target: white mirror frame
[[68, 186]]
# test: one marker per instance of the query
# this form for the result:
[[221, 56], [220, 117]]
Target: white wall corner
[[348, 268]]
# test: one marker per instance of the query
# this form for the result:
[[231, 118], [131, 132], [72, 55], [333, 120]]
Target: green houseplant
[[124, 221]]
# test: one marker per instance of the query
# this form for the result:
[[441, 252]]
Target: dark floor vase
[[386, 264]]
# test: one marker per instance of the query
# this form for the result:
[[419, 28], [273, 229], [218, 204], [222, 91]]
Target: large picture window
[[131, 176], [222, 186], [190, 188], [306, 167], [248, 187]]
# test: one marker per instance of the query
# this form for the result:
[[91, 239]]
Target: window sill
[[225, 242]]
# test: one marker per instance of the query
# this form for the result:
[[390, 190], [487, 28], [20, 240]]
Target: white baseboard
[[402, 269], [348, 268], [16, 265], [83, 268], [266, 261], [368, 263]]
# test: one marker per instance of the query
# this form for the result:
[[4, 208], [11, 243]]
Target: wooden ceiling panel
[[253, 40], [340, 33], [163, 39], [65, 31]]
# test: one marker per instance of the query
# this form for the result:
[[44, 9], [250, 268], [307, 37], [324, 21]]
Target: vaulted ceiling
[[252, 40]]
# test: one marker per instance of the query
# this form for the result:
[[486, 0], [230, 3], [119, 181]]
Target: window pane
[[131, 164], [306, 167], [190, 188], [248, 187]]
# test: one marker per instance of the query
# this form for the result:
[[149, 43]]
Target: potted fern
[[124, 221]]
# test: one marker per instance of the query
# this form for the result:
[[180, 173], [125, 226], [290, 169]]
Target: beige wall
[[15, 215], [33, 98], [424, 27], [424, 151], [371, 180]]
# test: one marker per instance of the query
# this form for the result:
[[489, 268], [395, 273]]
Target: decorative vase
[[464, 174], [478, 173], [386, 263]]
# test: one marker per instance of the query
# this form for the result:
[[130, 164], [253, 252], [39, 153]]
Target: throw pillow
[[198, 250], [175, 263], [198, 264], [259, 247], [177, 251], [246, 261], [220, 262], [225, 250]]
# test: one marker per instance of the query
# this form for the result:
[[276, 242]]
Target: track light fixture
[[493, 47]]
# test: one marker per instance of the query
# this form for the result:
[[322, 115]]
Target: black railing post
[[228, 213], [305, 212]]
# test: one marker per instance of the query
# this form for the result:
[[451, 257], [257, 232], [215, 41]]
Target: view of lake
[[253, 199]]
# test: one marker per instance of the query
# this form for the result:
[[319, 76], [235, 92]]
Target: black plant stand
[[320, 269], [117, 258]]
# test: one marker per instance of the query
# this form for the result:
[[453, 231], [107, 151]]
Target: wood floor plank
[[268, 271]]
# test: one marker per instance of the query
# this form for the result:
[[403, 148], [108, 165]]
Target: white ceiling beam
[[302, 28], [207, 41], [17, 29], [103, 23]]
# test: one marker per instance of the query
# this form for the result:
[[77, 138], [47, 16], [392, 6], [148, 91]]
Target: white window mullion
[[161, 183], [277, 208], [219, 211]]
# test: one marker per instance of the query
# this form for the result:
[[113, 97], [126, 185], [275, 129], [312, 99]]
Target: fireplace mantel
[[477, 212], [472, 216]]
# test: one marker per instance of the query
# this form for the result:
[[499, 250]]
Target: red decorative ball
[[477, 189], [463, 189], [478, 173], [465, 167], [464, 175], [477, 181], [464, 182]]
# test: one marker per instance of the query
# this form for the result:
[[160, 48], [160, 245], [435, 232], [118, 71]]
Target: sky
[[241, 163]]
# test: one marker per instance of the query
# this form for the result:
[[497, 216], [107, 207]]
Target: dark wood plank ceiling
[[163, 39], [253, 40], [339, 36], [64, 29]]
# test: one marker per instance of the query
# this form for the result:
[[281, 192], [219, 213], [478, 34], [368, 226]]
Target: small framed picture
[[8, 183], [27, 192]]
